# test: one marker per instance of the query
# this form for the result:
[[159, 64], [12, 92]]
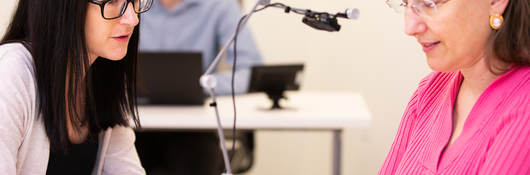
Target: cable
[[233, 89], [234, 63], [238, 28]]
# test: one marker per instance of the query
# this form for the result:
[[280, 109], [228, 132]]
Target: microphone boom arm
[[209, 82]]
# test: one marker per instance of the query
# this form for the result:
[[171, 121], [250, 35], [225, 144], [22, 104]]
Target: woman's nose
[[414, 24], [130, 17]]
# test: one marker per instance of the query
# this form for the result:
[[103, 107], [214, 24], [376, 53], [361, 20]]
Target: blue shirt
[[203, 26]]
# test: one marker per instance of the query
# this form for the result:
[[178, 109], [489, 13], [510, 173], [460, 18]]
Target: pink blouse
[[495, 138]]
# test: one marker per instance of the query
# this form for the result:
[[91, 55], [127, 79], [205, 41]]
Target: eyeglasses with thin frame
[[112, 9], [420, 7]]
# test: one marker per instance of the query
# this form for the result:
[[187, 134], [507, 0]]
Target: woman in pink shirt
[[472, 114]]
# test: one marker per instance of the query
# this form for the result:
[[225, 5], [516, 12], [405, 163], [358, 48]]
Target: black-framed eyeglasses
[[112, 9]]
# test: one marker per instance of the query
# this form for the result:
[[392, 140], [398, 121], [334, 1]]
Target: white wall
[[370, 55], [6, 9]]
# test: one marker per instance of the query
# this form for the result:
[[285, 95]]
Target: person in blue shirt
[[198, 26], [203, 26]]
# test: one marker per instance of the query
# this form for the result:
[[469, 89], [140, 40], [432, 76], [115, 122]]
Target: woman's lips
[[429, 46], [122, 38]]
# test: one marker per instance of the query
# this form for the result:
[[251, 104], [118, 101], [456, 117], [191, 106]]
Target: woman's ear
[[498, 6]]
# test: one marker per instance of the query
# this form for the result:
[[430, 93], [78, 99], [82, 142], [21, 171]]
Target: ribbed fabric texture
[[495, 138]]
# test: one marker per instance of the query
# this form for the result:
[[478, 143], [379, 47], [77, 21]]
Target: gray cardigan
[[24, 145]]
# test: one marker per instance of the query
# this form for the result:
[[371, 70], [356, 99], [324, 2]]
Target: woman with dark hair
[[67, 91], [472, 114]]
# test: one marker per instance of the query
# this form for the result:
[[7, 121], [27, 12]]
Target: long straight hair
[[54, 33]]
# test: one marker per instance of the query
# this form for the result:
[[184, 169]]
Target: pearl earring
[[496, 21]]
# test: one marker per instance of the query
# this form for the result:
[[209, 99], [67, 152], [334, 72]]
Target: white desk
[[332, 111]]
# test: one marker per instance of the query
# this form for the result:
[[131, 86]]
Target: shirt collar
[[190, 2], [183, 5]]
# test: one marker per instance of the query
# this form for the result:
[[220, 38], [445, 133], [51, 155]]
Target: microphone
[[318, 20], [328, 22], [350, 14], [322, 21]]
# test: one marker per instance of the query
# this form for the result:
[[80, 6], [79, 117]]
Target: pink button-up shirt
[[495, 138]]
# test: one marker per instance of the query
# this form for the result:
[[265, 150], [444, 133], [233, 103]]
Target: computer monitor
[[170, 78], [275, 79]]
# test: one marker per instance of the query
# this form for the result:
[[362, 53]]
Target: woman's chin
[[439, 65], [116, 56]]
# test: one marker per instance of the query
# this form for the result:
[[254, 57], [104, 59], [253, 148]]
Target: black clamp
[[287, 9]]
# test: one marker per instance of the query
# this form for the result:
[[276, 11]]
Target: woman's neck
[[91, 59], [479, 76]]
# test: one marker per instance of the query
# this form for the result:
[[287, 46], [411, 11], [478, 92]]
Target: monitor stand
[[275, 96]]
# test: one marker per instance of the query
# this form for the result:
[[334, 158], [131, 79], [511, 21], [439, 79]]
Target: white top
[[304, 110], [24, 145]]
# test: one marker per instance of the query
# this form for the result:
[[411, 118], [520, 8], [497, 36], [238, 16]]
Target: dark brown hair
[[511, 43], [54, 33]]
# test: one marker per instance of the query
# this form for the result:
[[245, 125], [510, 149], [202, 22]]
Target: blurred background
[[371, 55]]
